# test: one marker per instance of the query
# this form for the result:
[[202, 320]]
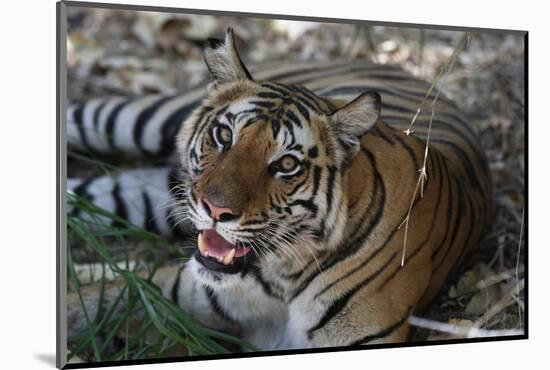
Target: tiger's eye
[[288, 163], [224, 135]]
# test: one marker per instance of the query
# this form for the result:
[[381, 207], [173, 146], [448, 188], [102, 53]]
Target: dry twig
[[442, 76], [461, 331]]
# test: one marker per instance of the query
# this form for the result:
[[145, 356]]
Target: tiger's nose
[[219, 213]]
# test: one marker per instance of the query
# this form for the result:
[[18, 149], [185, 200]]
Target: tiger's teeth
[[229, 257], [202, 247]]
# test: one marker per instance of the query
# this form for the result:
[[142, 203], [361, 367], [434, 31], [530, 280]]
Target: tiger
[[302, 189]]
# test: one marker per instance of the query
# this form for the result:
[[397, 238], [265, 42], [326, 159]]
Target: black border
[[60, 64], [290, 352], [526, 181]]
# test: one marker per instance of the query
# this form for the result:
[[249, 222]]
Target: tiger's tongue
[[215, 244], [212, 244]]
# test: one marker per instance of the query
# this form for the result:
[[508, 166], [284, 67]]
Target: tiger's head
[[265, 165]]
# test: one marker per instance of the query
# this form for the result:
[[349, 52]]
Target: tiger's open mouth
[[218, 254]]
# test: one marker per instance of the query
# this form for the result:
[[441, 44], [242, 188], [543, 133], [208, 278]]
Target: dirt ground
[[129, 53]]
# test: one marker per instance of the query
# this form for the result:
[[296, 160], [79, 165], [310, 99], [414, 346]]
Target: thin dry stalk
[[423, 176], [443, 73], [461, 331]]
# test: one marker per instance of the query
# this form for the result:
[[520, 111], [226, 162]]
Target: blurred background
[[111, 52]]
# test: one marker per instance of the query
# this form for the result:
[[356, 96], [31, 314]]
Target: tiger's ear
[[223, 61], [354, 120]]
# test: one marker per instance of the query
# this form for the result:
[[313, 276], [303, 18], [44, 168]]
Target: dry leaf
[[482, 300]]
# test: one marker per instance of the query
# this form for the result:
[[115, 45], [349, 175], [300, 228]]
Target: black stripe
[[467, 164], [323, 105], [471, 226], [82, 191], [379, 193], [275, 127], [297, 187], [111, 119], [469, 234], [309, 99], [410, 151], [467, 135], [297, 274], [379, 133], [420, 92], [306, 204], [429, 167], [120, 207], [403, 94], [458, 219], [337, 305], [78, 113], [300, 102], [327, 71], [404, 78], [204, 117], [174, 293], [377, 186], [309, 203], [97, 112], [172, 125], [316, 180], [322, 232], [267, 104], [149, 223], [273, 205], [253, 119], [82, 188], [463, 124], [290, 114], [450, 203], [302, 71], [384, 332], [268, 95], [330, 184], [203, 122], [257, 221], [216, 307], [281, 89], [143, 119], [352, 271], [293, 118], [268, 288]]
